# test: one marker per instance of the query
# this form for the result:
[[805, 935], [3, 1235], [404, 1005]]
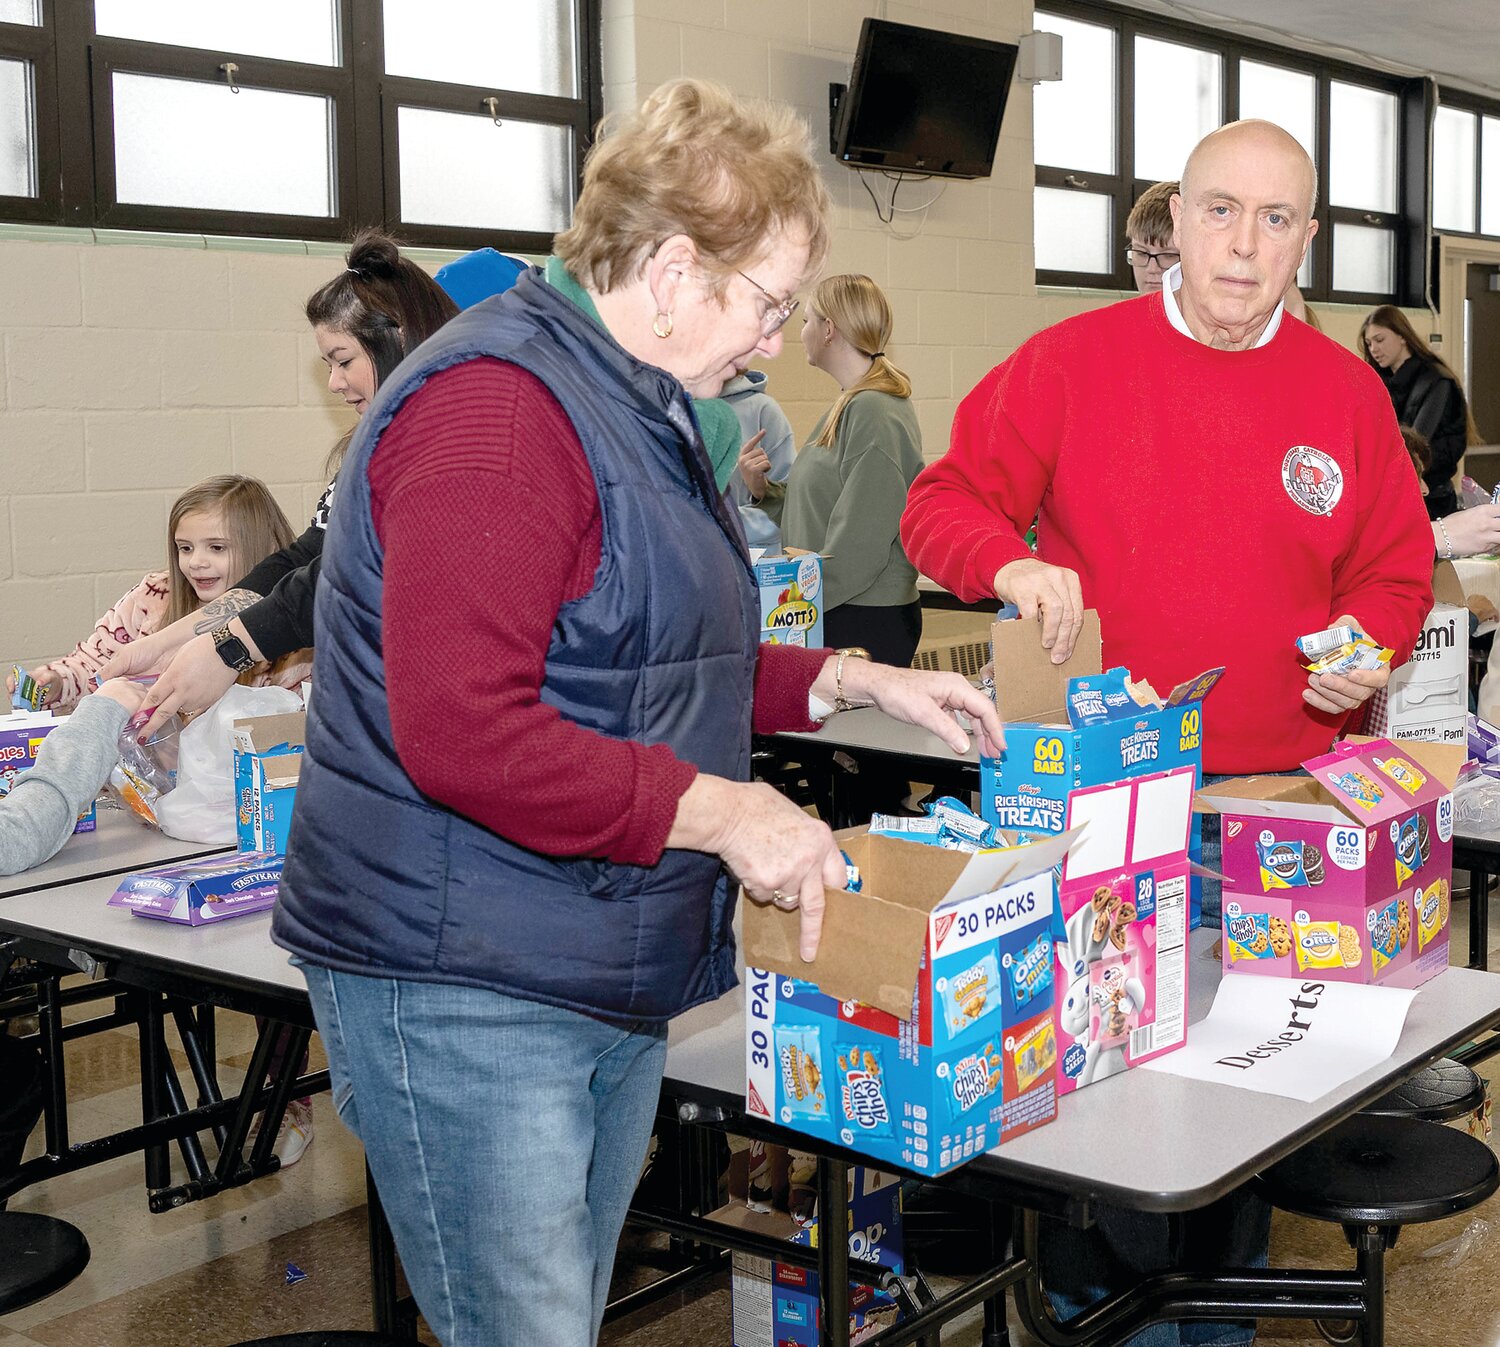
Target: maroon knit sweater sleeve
[[784, 675], [485, 506]]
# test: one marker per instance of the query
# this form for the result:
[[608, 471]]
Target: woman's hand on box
[[779, 852], [926, 698], [1051, 595]]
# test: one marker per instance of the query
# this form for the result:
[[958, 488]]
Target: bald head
[[1257, 137]]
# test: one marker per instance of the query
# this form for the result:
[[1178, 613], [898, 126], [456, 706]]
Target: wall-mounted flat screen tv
[[921, 101]]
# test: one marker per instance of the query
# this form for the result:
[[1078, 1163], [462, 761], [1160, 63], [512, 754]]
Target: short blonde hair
[[1150, 219], [861, 312], [728, 173]]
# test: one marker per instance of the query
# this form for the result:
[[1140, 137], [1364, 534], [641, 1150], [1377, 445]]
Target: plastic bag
[[1461, 1247], [1470, 494], [201, 807], [146, 772], [1476, 798]]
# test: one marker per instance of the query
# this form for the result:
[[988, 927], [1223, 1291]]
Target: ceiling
[[1456, 40]]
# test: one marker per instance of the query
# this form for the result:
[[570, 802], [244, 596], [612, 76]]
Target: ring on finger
[[785, 901]]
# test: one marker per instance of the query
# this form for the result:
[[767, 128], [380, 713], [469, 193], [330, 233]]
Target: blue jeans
[[506, 1138]]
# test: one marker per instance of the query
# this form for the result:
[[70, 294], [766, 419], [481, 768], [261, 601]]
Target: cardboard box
[[1122, 966], [1345, 873], [922, 1034], [776, 1304], [21, 736], [1047, 756], [199, 893], [267, 766], [1428, 696], [791, 600]]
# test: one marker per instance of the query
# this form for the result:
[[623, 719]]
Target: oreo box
[[1346, 872], [791, 600], [922, 1034], [1072, 726], [201, 892], [21, 737]]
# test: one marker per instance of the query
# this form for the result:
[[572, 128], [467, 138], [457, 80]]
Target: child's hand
[[50, 691], [129, 695]]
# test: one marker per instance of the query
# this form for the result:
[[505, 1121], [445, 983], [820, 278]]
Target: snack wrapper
[[1404, 773], [1358, 787], [1249, 936], [1316, 943], [1033, 1055], [1283, 865], [973, 1078], [1432, 912], [1406, 840], [1318, 644], [853, 880], [29, 694], [972, 994], [960, 828], [1100, 698], [862, 1090], [923, 830], [799, 1054], [1031, 971], [1385, 935]]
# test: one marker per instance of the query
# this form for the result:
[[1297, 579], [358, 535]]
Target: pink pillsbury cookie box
[[1346, 871]]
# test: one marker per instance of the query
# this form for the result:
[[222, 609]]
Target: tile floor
[[214, 1273]]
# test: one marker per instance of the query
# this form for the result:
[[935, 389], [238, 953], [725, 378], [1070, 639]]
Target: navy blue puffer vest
[[381, 880]]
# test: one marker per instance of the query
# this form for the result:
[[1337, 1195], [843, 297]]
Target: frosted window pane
[[1362, 135], [1364, 259], [1177, 103], [1287, 97], [1453, 183], [1074, 117], [17, 130], [288, 30], [21, 11], [1073, 230], [462, 170], [525, 45], [189, 143], [1305, 272], [1489, 177]]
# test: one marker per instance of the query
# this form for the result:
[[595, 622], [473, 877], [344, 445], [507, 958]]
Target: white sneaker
[[296, 1132]]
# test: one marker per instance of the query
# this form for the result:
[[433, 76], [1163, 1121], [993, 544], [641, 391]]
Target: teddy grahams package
[[922, 1034], [1345, 872]]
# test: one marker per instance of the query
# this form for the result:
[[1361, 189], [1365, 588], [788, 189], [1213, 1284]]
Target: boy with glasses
[[1151, 252]]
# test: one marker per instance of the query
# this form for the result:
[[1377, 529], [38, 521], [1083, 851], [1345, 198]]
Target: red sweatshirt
[[489, 517], [1216, 505]]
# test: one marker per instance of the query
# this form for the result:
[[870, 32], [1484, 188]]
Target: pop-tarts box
[[1345, 873], [21, 736], [198, 893], [267, 767], [1122, 967], [922, 1034], [1072, 725], [791, 600]]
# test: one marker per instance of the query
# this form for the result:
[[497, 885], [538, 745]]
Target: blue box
[[201, 892], [922, 1034], [21, 736], [267, 766], [791, 600]]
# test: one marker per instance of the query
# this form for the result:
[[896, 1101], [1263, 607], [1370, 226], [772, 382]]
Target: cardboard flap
[[1374, 781], [1294, 797], [1446, 586], [260, 734], [1443, 761], [1132, 824], [281, 771], [991, 870], [1028, 685]]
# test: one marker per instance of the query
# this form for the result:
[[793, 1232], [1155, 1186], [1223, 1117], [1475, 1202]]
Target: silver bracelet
[[1447, 541]]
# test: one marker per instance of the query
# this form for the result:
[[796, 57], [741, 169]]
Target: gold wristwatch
[[841, 702]]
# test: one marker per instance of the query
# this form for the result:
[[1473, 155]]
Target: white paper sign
[[1290, 1036]]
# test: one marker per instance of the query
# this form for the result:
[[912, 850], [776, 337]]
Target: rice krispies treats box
[[922, 1034], [1122, 967], [1346, 872]]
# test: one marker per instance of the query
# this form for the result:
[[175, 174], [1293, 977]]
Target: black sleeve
[[283, 621], [265, 577], [1450, 435]]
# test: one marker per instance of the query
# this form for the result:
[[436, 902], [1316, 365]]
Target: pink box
[[1122, 951], [1346, 872]]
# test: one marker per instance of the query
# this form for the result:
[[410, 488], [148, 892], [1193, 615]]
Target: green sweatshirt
[[845, 501]]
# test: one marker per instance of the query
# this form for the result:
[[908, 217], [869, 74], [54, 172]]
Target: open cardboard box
[[922, 1033], [1346, 872], [267, 767]]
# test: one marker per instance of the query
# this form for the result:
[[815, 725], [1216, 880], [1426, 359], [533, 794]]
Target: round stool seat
[[331, 1339], [1383, 1171], [38, 1255], [1445, 1090]]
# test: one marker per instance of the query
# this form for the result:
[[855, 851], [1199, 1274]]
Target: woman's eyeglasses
[[775, 318]]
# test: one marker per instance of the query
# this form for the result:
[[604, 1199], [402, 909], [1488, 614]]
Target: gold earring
[[656, 325]]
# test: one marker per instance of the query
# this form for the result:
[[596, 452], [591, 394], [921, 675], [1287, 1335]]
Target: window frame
[[73, 80], [1463, 101], [1124, 187]]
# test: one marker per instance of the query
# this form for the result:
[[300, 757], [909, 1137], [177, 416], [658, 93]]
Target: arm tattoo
[[223, 608]]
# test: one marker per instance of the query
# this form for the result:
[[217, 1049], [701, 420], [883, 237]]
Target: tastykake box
[[1345, 872], [922, 1034], [1069, 726], [791, 600], [1122, 970], [199, 893], [21, 737], [267, 767]]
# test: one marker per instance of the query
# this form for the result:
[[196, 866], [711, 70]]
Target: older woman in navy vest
[[526, 783]]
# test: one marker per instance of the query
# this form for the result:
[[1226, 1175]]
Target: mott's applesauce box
[[1345, 872], [267, 767], [791, 600], [1070, 726], [21, 737], [922, 1035], [1122, 968], [199, 893]]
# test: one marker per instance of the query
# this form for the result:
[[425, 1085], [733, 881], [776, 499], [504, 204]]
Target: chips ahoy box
[[1122, 968], [791, 600], [1068, 726], [922, 1034], [21, 736], [198, 893], [267, 767], [1345, 873]]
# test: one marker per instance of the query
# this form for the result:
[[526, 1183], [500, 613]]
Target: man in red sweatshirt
[[1217, 479]]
